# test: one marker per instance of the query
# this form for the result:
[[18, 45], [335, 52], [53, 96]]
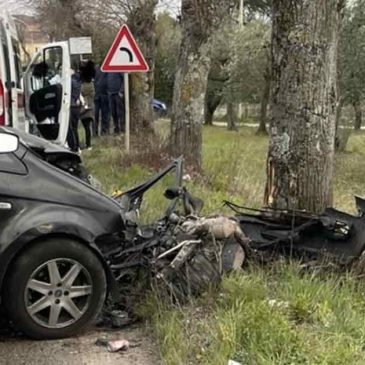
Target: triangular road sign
[[124, 55]]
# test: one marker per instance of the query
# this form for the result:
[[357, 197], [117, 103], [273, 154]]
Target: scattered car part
[[181, 253], [334, 234], [118, 345]]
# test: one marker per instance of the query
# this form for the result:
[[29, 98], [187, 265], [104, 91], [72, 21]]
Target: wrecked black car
[[53, 277], [56, 155], [65, 247]]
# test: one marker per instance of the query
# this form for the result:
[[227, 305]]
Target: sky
[[173, 6]]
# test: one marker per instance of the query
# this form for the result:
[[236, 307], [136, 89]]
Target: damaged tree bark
[[303, 103]]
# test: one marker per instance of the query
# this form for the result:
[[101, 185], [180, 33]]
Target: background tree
[[250, 73], [220, 53], [141, 20], [217, 78], [14, 6], [60, 19], [303, 103], [199, 19], [240, 67], [351, 60], [168, 33]]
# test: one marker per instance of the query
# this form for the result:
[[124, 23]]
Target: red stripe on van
[[2, 104]]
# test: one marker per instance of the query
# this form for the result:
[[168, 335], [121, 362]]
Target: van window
[[4, 45], [53, 58], [17, 63]]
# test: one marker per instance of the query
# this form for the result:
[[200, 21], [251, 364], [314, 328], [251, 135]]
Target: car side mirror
[[8, 143]]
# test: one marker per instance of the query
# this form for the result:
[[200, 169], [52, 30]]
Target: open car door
[[47, 87]]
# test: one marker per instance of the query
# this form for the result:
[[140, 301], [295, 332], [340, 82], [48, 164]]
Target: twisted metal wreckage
[[183, 253]]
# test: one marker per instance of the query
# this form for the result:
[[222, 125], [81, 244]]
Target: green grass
[[268, 317], [261, 316]]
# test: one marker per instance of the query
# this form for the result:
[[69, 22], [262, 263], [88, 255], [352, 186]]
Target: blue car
[[159, 107]]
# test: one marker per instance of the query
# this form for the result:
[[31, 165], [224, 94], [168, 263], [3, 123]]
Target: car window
[[10, 164]]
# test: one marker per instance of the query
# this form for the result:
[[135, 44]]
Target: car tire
[[62, 276]]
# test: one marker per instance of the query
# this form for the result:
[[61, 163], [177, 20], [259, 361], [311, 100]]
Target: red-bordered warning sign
[[124, 55]]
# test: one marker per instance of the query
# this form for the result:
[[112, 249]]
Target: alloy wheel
[[58, 293]]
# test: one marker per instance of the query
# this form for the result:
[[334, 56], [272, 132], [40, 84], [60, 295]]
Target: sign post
[[127, 113], [125, 56]]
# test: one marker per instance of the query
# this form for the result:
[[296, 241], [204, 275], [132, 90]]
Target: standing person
[[87, 74], [101, 103], [115, 85], [73, 134]]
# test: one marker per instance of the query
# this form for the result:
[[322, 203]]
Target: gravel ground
[[80, 350]]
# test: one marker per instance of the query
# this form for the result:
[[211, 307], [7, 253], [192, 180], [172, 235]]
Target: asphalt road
[[80, 350]]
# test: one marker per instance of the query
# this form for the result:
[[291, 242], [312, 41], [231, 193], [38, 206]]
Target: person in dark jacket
[[73, 135], [87, 113], [101, 103], [115, 87]]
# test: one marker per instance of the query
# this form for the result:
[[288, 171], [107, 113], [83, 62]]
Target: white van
[[12, 111], [37, 103], [47, 89]]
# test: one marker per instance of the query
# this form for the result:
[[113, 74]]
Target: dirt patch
[[81, 350]]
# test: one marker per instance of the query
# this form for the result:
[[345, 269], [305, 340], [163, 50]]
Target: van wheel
[[55, 289]]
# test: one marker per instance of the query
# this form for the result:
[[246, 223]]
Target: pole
[[127, 112]]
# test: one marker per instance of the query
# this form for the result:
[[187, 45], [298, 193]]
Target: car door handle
[[5, 206]]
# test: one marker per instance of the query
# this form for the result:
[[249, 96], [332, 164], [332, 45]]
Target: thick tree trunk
[[142, 87], [188, 101], [358, 114], [264, 103], [198, 20], [232, 116], [303, 104]]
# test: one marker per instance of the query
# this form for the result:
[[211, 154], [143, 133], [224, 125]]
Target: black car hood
[[40, 145]]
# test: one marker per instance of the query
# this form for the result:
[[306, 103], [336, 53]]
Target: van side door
[[47, 88]]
